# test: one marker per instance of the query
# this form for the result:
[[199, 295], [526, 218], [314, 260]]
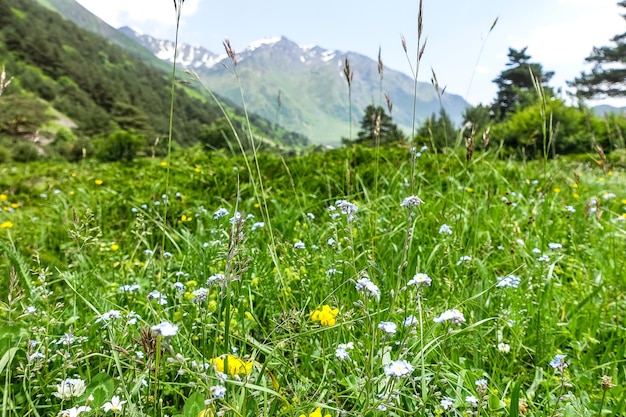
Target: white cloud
[[141, 14]]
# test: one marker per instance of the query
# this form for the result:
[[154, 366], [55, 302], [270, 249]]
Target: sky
[[461, 50]]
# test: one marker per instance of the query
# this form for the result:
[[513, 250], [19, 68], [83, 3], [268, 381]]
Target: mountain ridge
[[304, 87]]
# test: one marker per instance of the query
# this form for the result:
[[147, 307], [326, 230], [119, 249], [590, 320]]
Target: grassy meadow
[[356, 282]]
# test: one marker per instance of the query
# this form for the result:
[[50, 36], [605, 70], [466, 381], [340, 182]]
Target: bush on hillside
[[121, 145]]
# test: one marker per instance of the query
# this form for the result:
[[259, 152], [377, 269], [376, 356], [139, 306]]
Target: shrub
[[25, 152], [121, 145]]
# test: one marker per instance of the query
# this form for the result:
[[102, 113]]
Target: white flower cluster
[[453, 315]]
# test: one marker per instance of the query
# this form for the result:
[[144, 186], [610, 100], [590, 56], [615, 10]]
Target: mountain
[[604, 109], [309, 84], [63, 69]]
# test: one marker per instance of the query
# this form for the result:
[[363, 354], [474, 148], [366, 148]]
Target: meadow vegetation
[[409, 279]]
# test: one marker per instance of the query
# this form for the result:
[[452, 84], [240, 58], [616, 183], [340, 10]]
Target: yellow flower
[[163, 164], [601, 179], [15, 205], [316, 413], [3, 197], [115, 247], [99, 182], [576, 195], [609, 173], [575, 185], [183, 218], [469, 189], [6, 225], [197, 169], [557, 190], [326, 315], [235, 365]]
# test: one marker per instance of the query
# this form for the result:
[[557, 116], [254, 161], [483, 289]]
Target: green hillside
[[98, 85]]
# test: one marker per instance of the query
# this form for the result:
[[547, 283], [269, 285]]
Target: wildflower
[[299, 245], [220, 212], [129, 288], [398, 368], [148, 252], [364, 284], [179, 286], [165, 329], [74, 411], [504, 347], [607, 383], [115, 247], [109, 315], [388, 327], [464, 259], [570, 209], [419, 280], [608, 196], [70, 387], [236, 218], [218, 391], [383, 407], [559, 363], [6, 225], [555, 246], [473, 401], [481, 387], [316, 413], [509, 281], [200, 295], [536, 250], [454, 315], [331, 241], [325, 315], [332, 271], [258, 225], [114, 405], [156, 295], [446, 403], [232, 364], [35, 356], [342, 350], [411, 201], [410, 321], [543, 258], [311, 216], [347, 208], [167, 254], [215, 278], [99, 182], [445, 229]]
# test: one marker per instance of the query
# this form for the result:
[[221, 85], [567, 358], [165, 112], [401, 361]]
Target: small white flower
[[109, 315], [555, 246], [299, 245], [220, 212], [411, 201], [453, 315], [258, 225], [420, 280], [543, 258], [381, 407], [218, 391], [463, 259], [311, 216], [114, 405], [509, 281], [445, 229], [473, 401], [129, 288], [388, 327], [446, 403], [74, 411], [536, 250], [364, 284], [570, 209], [215, 278], [331, 241], [165, 328], [504, 347], [559, 363], [70, 387], [200, 295], [156, 295], [410, 321], [398, 368]]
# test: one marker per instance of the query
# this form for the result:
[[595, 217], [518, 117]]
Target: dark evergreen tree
[[377, 128], [608, 76], [516, 87], [437, 131]]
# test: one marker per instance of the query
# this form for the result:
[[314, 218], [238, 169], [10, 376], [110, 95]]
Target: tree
[[516, 86], [121, 145], [377, 128], [438, 131], [20, 115], [608, 76], [479, 116]]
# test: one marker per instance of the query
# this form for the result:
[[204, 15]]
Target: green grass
[[73, 236]]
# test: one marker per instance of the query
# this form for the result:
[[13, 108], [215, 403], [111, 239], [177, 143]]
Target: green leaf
[[102, 388], [193, 405], [7, 358], [514, 409]]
